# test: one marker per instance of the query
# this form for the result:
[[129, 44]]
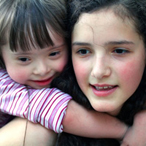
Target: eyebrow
[[81, 44], [108, 43], [119, 42]]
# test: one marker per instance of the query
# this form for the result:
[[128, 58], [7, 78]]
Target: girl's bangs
[[29, 29]]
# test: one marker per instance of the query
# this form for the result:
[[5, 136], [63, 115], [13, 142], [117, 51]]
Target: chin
[[106, 109]]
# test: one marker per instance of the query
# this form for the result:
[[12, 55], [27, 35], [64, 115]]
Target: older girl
[[108, 57]]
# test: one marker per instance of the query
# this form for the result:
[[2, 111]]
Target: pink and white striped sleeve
[[45, 106]]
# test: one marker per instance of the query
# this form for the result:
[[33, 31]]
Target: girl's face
[[37, 67], [108, 58]]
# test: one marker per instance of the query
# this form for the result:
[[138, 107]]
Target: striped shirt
[[46, 106]]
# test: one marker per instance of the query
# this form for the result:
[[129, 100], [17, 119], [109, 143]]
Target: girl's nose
[[41, 69], [101, 68]]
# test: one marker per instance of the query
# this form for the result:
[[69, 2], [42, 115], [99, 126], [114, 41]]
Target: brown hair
[[25, 23]]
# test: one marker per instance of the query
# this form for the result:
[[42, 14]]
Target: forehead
[[101, 25]]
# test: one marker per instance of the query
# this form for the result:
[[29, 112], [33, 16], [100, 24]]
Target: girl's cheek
[[61, 67], [131, 73], [80, 71], [62, 63], [20, 77], [126, 71]]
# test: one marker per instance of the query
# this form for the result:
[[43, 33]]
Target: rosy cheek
[[80, 71], [130, 73], [126, 70], [61, 65], [18, 77]]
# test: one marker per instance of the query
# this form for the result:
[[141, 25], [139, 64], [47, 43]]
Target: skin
[[107, 52], [36, 67], [135, 131], [13, 134]]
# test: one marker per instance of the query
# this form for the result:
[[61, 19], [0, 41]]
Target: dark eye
[[54, 53], [24, 59], [120, 51], [83, 51]]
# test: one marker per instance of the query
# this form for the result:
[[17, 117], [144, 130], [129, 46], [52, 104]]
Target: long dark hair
[[134, 10]]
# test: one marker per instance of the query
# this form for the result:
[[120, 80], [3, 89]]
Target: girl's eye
[[23, 59], [120, 51], [54, 53], [83, 51]]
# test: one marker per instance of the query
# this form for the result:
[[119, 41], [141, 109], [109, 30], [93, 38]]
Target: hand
[[136, 135]]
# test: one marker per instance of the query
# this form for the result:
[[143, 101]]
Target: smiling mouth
[[44, 82], [103, 88]]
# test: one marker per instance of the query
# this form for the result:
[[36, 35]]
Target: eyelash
[[23, 59], [27, 59], [120, 51], [83, 52], [54, 53]]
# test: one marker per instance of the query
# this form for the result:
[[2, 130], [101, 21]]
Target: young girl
[[34, 52], [108, 57]]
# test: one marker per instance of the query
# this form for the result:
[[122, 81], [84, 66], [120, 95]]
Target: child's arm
[[80, 121], [136, 135], [48, 107]]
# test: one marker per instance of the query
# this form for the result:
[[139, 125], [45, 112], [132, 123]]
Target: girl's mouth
[[104, 90], [44, 82]]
